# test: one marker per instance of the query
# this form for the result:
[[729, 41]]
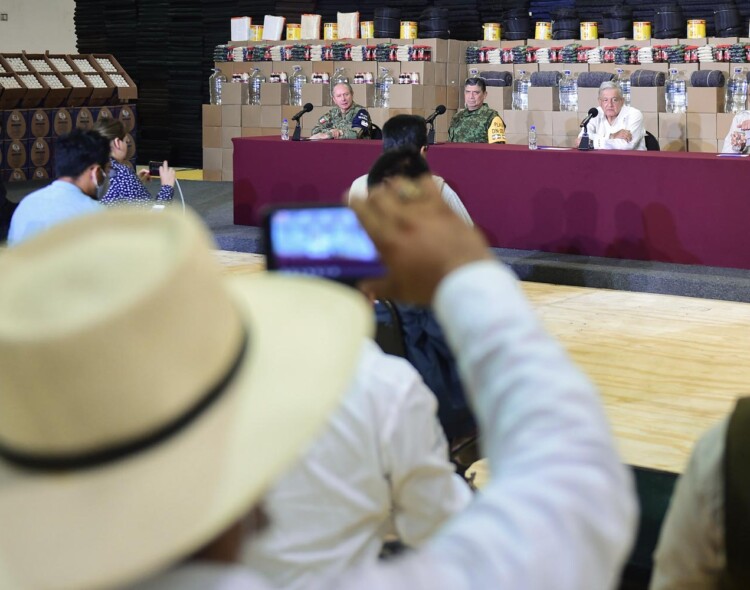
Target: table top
[[667, 367]]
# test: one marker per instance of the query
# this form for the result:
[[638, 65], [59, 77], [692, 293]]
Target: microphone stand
[[585, 143], [297, 135], [431, 133]]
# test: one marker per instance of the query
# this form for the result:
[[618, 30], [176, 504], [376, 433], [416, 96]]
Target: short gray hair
[[349, 86], [610, 86]]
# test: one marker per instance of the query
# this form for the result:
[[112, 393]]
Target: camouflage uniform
[[483, 125], [335, 119]]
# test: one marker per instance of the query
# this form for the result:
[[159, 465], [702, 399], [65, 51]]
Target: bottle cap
[[285, 121], [532, 128]]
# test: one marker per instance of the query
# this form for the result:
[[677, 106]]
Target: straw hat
[[145, 402]]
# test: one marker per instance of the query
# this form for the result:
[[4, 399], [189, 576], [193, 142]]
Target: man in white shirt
[[402, 131], [617, 126]]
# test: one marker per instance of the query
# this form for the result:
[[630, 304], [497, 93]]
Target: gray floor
[[213, 202]]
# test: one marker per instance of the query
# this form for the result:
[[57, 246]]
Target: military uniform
[[483, 125], [345, 122]]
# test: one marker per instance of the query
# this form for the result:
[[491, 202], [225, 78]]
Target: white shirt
[[739, 118], [629, 118], [382, 460], [358, 190], [559, 511], [691, 553]]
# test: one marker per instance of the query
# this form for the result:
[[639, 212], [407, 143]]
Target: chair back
[[652, 144]]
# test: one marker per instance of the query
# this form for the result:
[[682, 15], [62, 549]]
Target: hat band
[[112, 453]]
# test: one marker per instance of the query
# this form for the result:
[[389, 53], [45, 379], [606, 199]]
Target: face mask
[[102, 184]]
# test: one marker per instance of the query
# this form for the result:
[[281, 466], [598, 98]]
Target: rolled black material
[[497, 78], [545, 79], [669, 22], [593, 79], [646, 78], [727, 20], [707, 79], [516, 24]]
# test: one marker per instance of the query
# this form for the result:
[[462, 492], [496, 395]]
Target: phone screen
[[325, 241], [154, 168]]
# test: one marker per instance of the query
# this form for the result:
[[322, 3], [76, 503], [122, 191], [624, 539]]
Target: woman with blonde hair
[[125, 187]]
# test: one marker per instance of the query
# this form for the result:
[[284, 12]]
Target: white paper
[[273, 26], [348, 25], [241, 28], [310, 28]]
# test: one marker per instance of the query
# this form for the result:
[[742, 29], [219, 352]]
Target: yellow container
[[408, 29], [696, 29], [589, 31], [642, 31], [492, 31], [543, 30], [256, 32], [330, 31], [293, 32], [367, 29]]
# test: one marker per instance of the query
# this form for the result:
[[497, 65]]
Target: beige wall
[[37, 25]]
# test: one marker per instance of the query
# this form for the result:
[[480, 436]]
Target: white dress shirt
[[381, 462], [600, 129], [691, 553], [738, 120], [358, 190], [559, 511]]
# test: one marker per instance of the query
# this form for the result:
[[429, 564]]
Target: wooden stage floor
[[667, 367]]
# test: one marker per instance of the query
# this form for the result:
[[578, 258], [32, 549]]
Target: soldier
[[477, 123], [347, 120]]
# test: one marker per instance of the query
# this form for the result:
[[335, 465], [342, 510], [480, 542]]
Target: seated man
[[617, 126], [81, 158], [703, 541], [477, 122], [174, 409], [410, 131], [347, 120], [736, 140]]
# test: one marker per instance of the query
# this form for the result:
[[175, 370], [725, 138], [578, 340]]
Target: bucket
[[408, 29], [696, 29], [331, 31], [642, 31], [492, 31], [293, 32], [367, 29], [589, 31], [543, 30], [256, 32]]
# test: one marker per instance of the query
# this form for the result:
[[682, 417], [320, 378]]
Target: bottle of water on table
[[532, 137], [285, 130]]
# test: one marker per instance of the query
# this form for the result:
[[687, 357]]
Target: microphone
[[438, 111], [593, 112], [305, 109]]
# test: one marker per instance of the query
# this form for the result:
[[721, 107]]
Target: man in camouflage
[[347, 120], [477, 123]]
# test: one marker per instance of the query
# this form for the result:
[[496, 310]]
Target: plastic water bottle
[[285, 130], [568, 91], [735, 96], [383, 88], [532, 137], [676, 92], [622, 79], [296, 81], [215, 83], [521, 91], [254, 83]]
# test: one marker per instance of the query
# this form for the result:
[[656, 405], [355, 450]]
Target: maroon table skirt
[[672, 207]]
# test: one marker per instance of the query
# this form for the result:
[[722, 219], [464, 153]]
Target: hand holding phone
[[324, 240], [163, 171]]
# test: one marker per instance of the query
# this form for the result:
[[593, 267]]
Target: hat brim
[[119, 523]]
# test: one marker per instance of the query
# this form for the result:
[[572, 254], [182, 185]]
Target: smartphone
[[153, 168], [321, 240]]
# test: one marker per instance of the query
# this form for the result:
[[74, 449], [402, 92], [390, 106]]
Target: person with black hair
[[81, 161], [477, 123], [410, 131]]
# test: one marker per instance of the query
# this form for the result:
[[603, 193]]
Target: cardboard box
[[270, 116], [211, 115], [250, 131], [250, 115], [455, 76], [648, 100], [669, 144], [560, 67], [443, 122], [248, 67], [441, 137], [498, 97], [231, 115], [229, 133], [542, 120], [212, 137], [723, 124], [306, 67], [424, 69], [528, 68], [317, 94], [672, 126], [211, 175], [516, 121], [523, 139], [364, 94], [651, 123], [701, 126], [569, 141], [440, 71], [453, 96], [565, 124], [274, 93], [434, 95], [587, 98], [234, 93], [406, 96], [705, 100], [544, 98], [702, 145], [227, 163], [439, 50], [456, 51]]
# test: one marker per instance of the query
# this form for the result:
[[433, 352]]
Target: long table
[[687, 208]]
